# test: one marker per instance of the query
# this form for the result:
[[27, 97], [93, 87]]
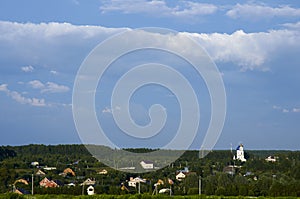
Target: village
[[231, 172]]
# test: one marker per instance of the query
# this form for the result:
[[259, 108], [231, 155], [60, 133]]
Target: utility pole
[[139, 187], [199, 185], [31, 184]]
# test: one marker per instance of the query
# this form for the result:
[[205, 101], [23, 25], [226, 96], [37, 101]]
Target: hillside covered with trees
[[68, 166]]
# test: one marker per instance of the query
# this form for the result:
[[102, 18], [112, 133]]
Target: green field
[[141, 196]]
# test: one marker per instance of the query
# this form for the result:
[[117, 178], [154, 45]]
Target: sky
[[254, 44]]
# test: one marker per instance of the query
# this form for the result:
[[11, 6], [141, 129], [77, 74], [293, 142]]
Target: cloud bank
[[250, 51]]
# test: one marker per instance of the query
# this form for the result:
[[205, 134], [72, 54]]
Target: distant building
[[90, 190], [147, 164], [271, 159], [165, 190], [69, 171], [230, 169], [185, 170], [240, 153], [49, 168], [127, 168], [133, 181], [72, 184], [35, 164], [103, 172], [40, 173], [159, 182], [88, 182], [21, 191], [44, 182], [180, 176], [248, 173], [48, 183]]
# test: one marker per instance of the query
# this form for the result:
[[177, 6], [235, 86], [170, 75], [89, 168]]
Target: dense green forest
[[255, 177]]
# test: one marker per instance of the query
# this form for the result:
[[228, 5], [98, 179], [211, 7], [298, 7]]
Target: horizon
[[216, 149]]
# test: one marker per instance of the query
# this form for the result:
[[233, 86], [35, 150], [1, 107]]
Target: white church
[[240, 154]]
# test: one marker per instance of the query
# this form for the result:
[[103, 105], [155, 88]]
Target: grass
[[137, 196]]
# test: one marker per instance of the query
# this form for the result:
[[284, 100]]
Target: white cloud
[[54, 72], [76, 2], [107, 110], [159, 8], [3, 87], [252, 11], [248, 50], [36, 84], [12, 31], [191, 9], [21, 99], [292, 25], [49, 87], [296, 110], [277, 107], [27, 69], [286, 110], [55, 88], [110, 110]]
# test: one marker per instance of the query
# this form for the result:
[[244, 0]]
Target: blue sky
[[255, 45]]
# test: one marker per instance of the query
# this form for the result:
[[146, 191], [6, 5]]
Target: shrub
[[12, 196]]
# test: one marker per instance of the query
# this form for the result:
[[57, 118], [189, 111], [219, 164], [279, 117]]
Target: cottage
[[180, 176], [147, 164], [40, 173], [271, 159], [159, 182], [48, 183], [133, 181], [49, 168], [103, 172], [165, 190], [69, 171], [88, 182], [35, 163], [229, 170], [72, 184]]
